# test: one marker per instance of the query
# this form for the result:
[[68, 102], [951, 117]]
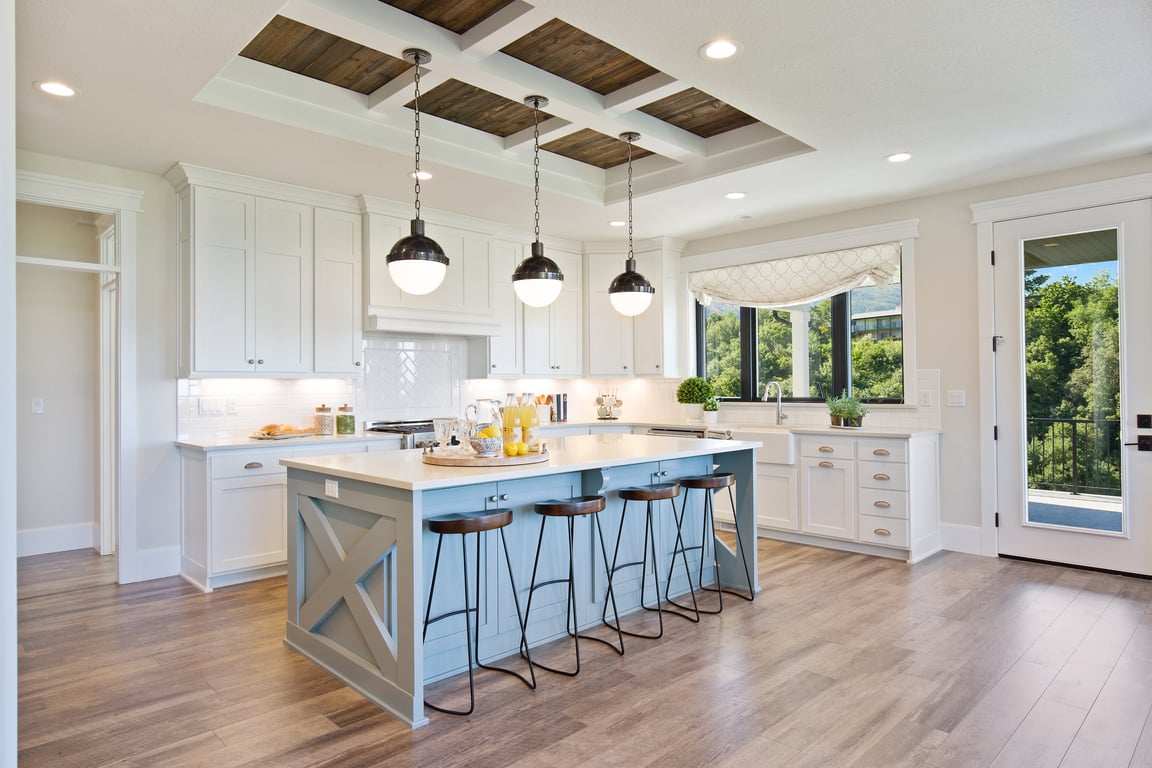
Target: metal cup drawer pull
[[882, 532], [253, 465], [882, 504], [825, 464], [826, 449], [881, 476], [881, 452]]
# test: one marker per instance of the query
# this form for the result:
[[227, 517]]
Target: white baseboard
[[962, 538], [157, 563], [56, 538]]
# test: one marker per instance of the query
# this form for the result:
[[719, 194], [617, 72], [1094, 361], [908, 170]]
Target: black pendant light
[[417, 263], [630, 292], [537, 280]]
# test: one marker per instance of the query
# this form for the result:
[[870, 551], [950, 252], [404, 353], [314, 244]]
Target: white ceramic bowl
[[487, 446]]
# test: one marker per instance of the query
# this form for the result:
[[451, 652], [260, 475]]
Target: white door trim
[[123, 204], [1122, 190]]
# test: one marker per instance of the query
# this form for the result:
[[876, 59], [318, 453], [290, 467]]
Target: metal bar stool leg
[[649, 544], [751, 596], [467, 611], [682, 549], [508, 560]]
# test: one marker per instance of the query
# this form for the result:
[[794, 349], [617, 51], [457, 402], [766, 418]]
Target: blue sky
[[1081, 273]]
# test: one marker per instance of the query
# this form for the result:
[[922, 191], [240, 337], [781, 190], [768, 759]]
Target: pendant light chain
[[630, 256], [416, 103], [536, 161]]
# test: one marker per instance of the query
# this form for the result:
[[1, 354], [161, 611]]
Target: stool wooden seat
[[647, 494], [570, 509], [462, 524], [707, 483]]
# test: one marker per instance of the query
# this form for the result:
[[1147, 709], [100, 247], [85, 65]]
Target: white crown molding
[[45, 189], [184, 174], [1121, 190]]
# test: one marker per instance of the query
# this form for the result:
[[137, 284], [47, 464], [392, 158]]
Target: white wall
[[156, 464], [946, 303], [7, 384], [56, 362]]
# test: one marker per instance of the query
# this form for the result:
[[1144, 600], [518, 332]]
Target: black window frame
[[841, 330]]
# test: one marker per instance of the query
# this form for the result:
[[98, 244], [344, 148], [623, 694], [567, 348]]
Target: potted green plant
[[692, 393], [711, 410], [846, 410]]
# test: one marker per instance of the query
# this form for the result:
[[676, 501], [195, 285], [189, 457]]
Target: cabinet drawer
[[827, 447], [874, 501], [878, 474], [882, 449], [883, 530], [246, 463]]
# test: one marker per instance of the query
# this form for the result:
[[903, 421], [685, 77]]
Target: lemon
[[522, 449], [511, 449]]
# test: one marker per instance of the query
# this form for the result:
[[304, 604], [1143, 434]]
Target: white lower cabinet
[[871, 491], [233, 511]]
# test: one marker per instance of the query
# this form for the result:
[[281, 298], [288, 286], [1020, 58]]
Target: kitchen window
[[849, 340]]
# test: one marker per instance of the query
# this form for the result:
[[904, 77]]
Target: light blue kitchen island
[[359, 558]]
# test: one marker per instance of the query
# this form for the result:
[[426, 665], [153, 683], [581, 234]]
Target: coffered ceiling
[[316, 92]]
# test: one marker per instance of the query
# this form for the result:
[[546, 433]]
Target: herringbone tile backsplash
[[412, 377]]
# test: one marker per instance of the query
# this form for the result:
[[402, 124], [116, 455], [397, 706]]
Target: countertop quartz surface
[[244, 440], [407, 470]]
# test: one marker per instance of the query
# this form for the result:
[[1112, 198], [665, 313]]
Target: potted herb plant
[[846, 411], [692, 393], [711, 410]]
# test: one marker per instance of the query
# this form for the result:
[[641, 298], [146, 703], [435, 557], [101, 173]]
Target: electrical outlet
[[1144, 442], [1144, 421], [331, 488], [37, 405]]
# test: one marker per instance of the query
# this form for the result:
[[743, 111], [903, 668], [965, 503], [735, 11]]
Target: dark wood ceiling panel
[[695, 111], [457, 16], [476, 108], [594, 148], [304, 50], [576, 56]]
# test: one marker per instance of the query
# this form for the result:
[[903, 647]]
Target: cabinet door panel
[[282, 316], [504, 349], [339, 314], [610, 337], [776, 497], [223, 281], [566, 333], [649, 324], [828, 495], [538, 340], [248, 523]]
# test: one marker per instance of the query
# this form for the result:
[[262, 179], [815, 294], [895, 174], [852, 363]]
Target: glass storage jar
[[345, 420], [324, 423]]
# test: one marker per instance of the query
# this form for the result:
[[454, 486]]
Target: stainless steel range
[[413, 434]]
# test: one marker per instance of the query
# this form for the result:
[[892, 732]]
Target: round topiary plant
[[694, 390]]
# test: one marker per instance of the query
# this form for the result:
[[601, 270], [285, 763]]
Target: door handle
[[253, 465], [826, 449], [826, 464], [880, 476], [881, 505], [881, 452], [882, 532]]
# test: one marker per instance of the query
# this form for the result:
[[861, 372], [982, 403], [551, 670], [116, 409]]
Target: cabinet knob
[[826, 449], [251, 361], [503, 497], [881, 452], [882, 504], [493, 366], [880, 476], [882, 532], [493, 498], [260, 362], [253, 465], [826, 464], [625, 367], [357, 363]]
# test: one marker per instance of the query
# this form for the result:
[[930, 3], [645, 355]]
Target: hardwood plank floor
[[843, 660]]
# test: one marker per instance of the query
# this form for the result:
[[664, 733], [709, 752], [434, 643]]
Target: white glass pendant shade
[[417, 263], [537, 280], [630, 304]]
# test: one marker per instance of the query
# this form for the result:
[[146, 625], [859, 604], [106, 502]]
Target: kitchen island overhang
[[357, 550]]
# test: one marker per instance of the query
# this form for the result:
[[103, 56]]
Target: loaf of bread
[[276, 430]]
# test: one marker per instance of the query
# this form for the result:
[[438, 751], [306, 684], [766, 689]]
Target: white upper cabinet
[[553, 335], [339, 314], [254, 300], [646, 344]]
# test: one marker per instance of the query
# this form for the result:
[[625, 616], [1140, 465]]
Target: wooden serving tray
[[483, 461]]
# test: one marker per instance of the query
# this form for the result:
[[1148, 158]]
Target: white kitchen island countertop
[[406, 469]]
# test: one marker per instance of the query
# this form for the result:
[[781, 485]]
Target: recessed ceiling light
[[719, 49], [56, 88], [422, 175], [617, 223], [743, 217], [899, 157], [736, 195], [1051, 245]]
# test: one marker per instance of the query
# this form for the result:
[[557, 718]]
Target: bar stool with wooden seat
[[464, 523], [648, 494], [708, 484], [570, 509]]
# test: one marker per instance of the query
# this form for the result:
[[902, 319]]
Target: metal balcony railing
[[1074, 455]]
